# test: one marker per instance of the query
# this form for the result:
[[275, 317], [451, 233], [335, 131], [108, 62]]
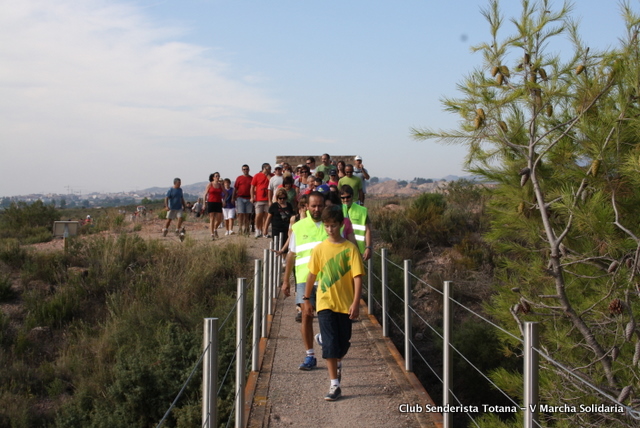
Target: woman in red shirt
[[213, 196]]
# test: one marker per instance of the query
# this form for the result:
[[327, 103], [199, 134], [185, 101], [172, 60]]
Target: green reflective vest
[[358, 216], [308, 235]]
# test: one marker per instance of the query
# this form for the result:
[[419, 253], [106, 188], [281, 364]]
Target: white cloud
[[100, 79]]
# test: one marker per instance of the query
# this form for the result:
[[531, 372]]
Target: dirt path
[[373, 385], [197, 229]]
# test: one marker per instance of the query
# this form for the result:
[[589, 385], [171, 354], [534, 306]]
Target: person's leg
[[211, 222], [306, 330]]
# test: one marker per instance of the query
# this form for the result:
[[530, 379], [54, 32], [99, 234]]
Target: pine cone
[[616, 307]]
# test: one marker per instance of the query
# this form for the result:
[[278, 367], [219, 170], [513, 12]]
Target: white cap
[[358, 158]]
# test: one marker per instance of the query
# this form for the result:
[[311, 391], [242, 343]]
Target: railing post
[[265, 292], [210, 374], [281, 241], [271, 280], [240, 357], [257, 315], [370, 284], [385, 294], [446, 354], [408, 330], [531, 342]]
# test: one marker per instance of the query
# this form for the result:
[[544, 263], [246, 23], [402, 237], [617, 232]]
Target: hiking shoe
[[318, 338], [334, 393], [164, 232], [309, 363], [299, 316]]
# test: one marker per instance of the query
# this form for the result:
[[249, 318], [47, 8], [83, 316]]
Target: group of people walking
[[320, 210]]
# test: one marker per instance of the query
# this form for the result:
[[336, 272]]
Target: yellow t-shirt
[[335, 266]]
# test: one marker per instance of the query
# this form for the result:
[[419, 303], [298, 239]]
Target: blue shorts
[[335, 329], [243, 206], [300, 289]]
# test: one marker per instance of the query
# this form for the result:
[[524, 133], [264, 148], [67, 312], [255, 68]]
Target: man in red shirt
[[260, 196], [242, 199]]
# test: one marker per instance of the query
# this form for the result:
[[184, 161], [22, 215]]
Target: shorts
[[300, 289], [261, 207], [335, 328], [229, 213], [174, 214], [214, 207], [244, 206]]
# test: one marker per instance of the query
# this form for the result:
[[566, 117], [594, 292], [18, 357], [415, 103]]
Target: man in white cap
[[360, 171], [275, 182]]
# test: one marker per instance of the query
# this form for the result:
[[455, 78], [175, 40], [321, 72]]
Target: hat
[[358, 158], [277, 166], [333, 171]]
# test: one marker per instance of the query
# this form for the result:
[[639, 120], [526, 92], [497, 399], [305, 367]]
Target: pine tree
[[559, 136]]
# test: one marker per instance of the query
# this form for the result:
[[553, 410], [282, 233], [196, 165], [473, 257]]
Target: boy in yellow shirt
[[337, 266]]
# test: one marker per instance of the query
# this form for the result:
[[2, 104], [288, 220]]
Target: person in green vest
[[359, 217], [305, 235]]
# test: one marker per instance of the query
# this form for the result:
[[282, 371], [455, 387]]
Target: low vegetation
[[106, 333]]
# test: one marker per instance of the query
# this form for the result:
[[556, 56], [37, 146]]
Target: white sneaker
[[226, 233], [231, 232], [258, 234]]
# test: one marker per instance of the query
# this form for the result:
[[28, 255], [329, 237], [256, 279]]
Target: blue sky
[[121, 95]]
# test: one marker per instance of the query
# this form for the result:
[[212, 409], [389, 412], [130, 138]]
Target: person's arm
[[253, 192], [235, 192], [368, 251], [354, 310], [204, 196], [365, 174], [306, 303], [288, 268], [166, 203]]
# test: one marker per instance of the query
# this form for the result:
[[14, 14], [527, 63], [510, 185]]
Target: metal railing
[[531, 349], [264, 286]]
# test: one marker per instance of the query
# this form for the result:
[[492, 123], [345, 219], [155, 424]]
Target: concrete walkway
[[374, 384]]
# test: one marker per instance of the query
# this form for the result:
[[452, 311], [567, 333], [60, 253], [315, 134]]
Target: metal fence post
[[210, 374], [446, 354], [257, 315], [240, 357], [385, 294], [271, 277], [531, 341], [370, 284], [265, 291], [408, 330]]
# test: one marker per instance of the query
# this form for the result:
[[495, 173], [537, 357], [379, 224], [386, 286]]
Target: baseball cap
[[358, 158], [333, 171], [277, 166]]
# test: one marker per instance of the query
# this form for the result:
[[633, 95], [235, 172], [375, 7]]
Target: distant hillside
[[191, 189]]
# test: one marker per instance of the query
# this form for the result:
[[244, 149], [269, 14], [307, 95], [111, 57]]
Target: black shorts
[[335, 329], [214, 207]]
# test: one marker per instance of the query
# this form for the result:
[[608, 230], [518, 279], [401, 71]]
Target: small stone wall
[[295, 160]]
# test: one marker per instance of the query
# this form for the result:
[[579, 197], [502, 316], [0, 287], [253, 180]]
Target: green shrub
[[6, 293], [23, 221], [12, 253]]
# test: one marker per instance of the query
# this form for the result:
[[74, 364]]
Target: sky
[[122, 95]]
